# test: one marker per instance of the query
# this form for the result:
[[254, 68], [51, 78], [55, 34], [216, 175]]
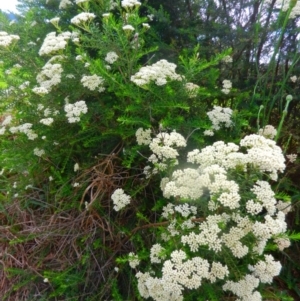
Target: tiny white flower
[[76, 167], [38, 152], [146, 25], [128, 28], [83, 18], [150, 17], [47, 121], [133, 260], [208, 133], [54, 21], [292, 157], [227, 59]]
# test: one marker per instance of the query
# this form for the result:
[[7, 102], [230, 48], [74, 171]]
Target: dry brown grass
[[38, 239]]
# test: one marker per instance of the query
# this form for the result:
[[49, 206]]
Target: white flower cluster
[[178, 274], [164, 149], [133, 260], [265, 196], [218, 271], [40, 91], [47, 112], [130, 3], [92, 82], [83, 18], [209, 236], [143, 137], [293, 78], [24, 85], [81, 1], [64, 4], [272, 226], [75, 110], [185, 184], [55, 21], [264, 154], [268, 131], [185, 210], [146, 25], [192, 89], [120, 199], [160, 73], [266, 270], [7, 120], [76, 167], [232, 239], [151, 17], [38, 152], [208, 133], [113, 4], [282, 243], [244, 288], [227, 85], [219, 116], [6, 39], [49, 77], [111, 57], [18, 66], [47, 121], [156, 253], [292, 157], [128, 28], [227, 59], [26, 129], [53, 44]]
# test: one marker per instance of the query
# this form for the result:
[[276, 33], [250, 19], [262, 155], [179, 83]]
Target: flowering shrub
[[79, 109], [233, 218]]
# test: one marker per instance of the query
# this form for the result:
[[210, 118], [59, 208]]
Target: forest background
[[132, 133]]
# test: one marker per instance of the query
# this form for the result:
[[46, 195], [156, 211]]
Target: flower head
[[75, 110], [120, 199], [128, 28], [6, 39], [130, 4], [227, 85], [53, 44], [160, 73], [111, 57], [92, 81]]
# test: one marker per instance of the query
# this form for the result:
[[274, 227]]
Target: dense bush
[[136, 165]]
